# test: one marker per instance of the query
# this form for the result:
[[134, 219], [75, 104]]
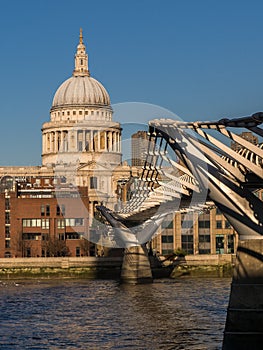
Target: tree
[[21, 246], [54, 247]]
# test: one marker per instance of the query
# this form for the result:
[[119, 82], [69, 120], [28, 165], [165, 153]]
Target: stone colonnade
[[81, 140]]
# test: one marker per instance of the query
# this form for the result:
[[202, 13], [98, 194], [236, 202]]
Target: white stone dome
[[81, 91]]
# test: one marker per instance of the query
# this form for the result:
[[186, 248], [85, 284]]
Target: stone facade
[[206, 232]]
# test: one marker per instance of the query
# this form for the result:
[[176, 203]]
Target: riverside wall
[[81, 267], [109, 267], [214, 265]]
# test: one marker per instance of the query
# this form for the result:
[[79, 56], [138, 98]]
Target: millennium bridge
[[187, 164]]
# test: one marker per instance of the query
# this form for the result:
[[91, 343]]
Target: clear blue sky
[[199, 59]]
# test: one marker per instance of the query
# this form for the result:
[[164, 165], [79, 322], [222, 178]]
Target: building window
[[219, 244], [74, 222], [77, 251], [187, 224], [7, 204], [93, 182], [7, 231], [167, 239], [188, 243], [44, 237], [204, 244], [60, 210], [7, 217], [31, 222], [79, 222], [61, 236], [204, 223], [31, 236], [74, 112], [167, 224], [7, 255], [45, 210], [7, 244], [72, 235], [60, 223], [218, 224], [45, 224]]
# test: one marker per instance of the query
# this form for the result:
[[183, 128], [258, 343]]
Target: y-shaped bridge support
[[136, 267], [232, 178]]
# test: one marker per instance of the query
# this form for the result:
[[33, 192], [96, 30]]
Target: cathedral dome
[[81, 91]]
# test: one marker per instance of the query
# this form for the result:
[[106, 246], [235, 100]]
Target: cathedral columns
[[76, 140], [105, 140], [91, 141], [59, 140], [98, 133], [83, 140], [110, 143], [55, 142], [47, 142], [52, 142], [65, 140]]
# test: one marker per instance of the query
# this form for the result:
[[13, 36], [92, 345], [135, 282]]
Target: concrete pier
[[244, 323], [136, 266]]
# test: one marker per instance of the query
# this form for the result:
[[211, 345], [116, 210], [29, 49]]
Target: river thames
[[184, 313]]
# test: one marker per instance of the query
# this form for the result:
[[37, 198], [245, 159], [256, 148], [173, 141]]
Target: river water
[[186, 313]]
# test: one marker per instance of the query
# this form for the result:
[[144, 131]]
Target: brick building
[[41, 216]]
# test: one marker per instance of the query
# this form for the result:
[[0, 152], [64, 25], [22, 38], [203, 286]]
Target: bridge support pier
[[136, 266], [244, 323]]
